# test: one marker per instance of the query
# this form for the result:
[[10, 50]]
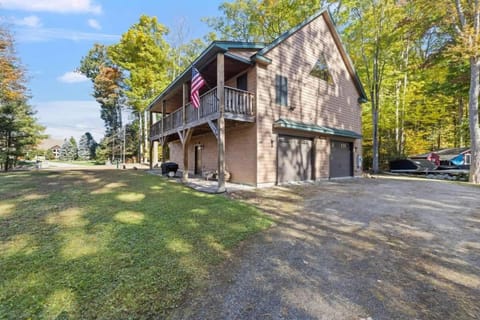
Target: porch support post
[[185, 163], [182, 134], [186, 142], [164, 151], [221, 121], [164, 110], [154, 159], [149, 139]]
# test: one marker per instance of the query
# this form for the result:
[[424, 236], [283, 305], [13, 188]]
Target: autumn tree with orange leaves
[[19, 131]]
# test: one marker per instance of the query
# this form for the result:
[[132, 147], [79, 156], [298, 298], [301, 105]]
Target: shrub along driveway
[[381, 248]]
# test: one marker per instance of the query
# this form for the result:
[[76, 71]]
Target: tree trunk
[[7, 154], [406, 58], [459, 125], [375, 165], [397, 119], [375, 96], [146, 126], [140, 140], [473, 119]]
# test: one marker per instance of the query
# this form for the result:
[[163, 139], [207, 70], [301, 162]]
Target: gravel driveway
[[385, 248]]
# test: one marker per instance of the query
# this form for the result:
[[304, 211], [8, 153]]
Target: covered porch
[[174, 118], [239, 106]]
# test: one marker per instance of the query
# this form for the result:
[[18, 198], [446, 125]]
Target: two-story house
[[270, 113]]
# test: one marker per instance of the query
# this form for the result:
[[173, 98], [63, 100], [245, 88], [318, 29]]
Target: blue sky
[[53, 35]]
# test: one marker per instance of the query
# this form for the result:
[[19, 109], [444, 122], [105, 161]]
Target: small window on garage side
[[320, 70], [281, 90]]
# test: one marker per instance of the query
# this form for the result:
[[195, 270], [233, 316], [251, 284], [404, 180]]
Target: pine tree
[[19, 131], [74, 150], [86, 147], [65, 150], [68, 150]]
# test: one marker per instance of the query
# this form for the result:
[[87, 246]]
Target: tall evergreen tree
[[68, 150], [74, 152], [86, 147], [19, 131]]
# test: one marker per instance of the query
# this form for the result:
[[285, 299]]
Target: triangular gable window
[[320, 70]]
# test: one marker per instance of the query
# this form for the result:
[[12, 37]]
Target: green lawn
[[109, 244]]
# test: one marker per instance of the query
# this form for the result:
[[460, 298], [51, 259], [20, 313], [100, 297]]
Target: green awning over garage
[[295, 125]]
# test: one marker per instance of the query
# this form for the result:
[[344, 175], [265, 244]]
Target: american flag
[[197, 83]]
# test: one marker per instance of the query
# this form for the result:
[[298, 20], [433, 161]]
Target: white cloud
[[59, 6], [72, 77], [66, 118], [30, 21], [94, 24], [49, 34]]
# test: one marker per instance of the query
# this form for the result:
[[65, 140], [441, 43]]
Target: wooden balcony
[[239, 106]]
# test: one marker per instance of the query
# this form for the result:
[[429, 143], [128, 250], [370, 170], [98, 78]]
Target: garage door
[[341, 159], [294, 156]]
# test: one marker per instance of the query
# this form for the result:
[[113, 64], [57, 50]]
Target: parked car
[[411, 165]]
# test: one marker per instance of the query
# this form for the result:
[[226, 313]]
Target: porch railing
[[237, 102]]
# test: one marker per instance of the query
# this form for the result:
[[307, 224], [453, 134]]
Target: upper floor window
[[320, 70], [242, 82], [281, 90]]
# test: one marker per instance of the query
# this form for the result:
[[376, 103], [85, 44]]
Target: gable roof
[[260, 55], [224, 46], [49, 143]]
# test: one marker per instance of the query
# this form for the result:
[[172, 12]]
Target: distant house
[[53, 145], [459, 158], [270, 113]]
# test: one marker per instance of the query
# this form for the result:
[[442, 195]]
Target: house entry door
[[198, 160], [341, 159]]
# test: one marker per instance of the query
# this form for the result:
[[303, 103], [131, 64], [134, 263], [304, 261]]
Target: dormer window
[[320, 70]]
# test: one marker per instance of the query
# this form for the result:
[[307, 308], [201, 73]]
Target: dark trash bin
[[168, 167]]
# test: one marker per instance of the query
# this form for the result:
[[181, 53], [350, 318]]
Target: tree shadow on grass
[[109, 244]]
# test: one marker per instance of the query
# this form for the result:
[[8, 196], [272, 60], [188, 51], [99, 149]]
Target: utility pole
[[124, 136]]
